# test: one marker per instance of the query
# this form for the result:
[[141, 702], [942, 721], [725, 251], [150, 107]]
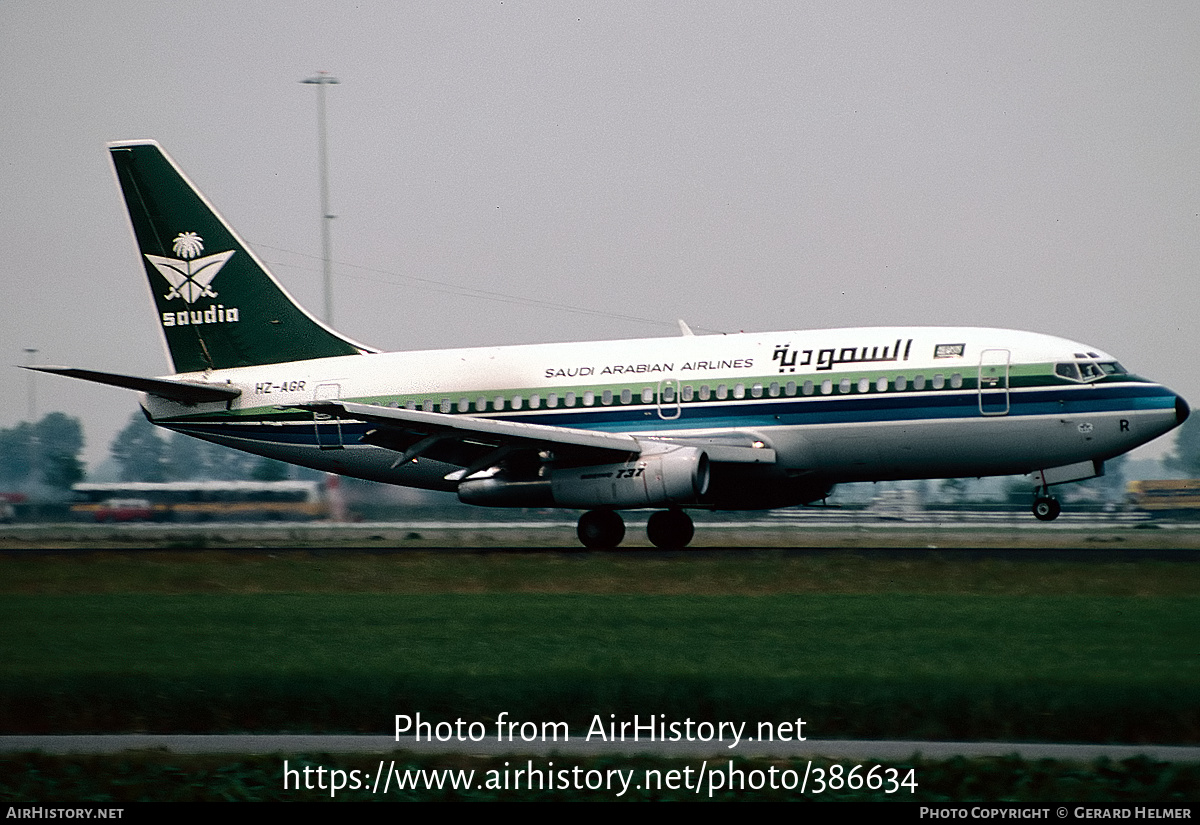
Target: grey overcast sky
[[516, 172]]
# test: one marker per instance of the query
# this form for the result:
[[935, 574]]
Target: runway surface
[[1083, 536]]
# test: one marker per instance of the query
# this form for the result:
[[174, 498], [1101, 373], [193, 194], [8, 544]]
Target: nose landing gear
[[1046, 508]]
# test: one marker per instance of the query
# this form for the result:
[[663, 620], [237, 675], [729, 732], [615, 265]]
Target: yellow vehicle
[[208, 500], [1166, 496]]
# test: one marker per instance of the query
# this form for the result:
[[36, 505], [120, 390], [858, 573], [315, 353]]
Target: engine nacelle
[[676, 475], [497, 491]]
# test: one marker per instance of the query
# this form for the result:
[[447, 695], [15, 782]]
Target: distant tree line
[[1185, 458], [42, 456], [144, 453]]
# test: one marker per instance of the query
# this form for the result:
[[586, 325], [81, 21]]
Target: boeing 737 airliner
[[748, 421]]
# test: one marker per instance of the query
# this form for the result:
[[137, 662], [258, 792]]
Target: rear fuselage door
[[993, 381], [328, 427]]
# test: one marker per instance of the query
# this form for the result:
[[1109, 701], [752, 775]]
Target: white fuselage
[[834, 405]]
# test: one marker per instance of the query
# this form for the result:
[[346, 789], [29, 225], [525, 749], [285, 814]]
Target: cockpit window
[[1068, 371], [1087, 370]]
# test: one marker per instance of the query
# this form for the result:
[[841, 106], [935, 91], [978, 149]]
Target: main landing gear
[[1046, 508], [670, 529], [600, 529], [604, 529]]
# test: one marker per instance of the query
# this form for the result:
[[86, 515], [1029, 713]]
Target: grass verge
[[941, 666]]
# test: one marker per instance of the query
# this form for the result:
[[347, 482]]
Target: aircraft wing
[[468, 440], [472, 441]]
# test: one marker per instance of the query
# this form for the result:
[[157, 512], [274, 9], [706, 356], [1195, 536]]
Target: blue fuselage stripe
[[767, 412]]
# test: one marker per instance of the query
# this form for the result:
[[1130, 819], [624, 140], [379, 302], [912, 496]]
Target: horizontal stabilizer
[[184, 392]]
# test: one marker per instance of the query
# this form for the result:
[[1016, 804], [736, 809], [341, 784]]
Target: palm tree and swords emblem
[[189, 275]]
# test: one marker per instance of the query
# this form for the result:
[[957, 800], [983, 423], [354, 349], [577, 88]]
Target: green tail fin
[[218, 305]]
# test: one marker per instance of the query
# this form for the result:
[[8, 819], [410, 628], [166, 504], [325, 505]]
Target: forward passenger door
[[994, 367]]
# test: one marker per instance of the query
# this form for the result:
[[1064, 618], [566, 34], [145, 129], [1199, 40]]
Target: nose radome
[[1182, 410]]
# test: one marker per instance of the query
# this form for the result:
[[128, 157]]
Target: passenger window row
[[685, 393]]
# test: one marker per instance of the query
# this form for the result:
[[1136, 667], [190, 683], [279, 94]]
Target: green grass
[[1093, 668], [735, 572], [929, 645]]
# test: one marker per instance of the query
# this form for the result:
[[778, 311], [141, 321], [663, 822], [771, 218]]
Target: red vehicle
[[124, 509]]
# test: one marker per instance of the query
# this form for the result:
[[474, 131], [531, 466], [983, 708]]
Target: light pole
[[31, 398], [31, 412], [321, 80]]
